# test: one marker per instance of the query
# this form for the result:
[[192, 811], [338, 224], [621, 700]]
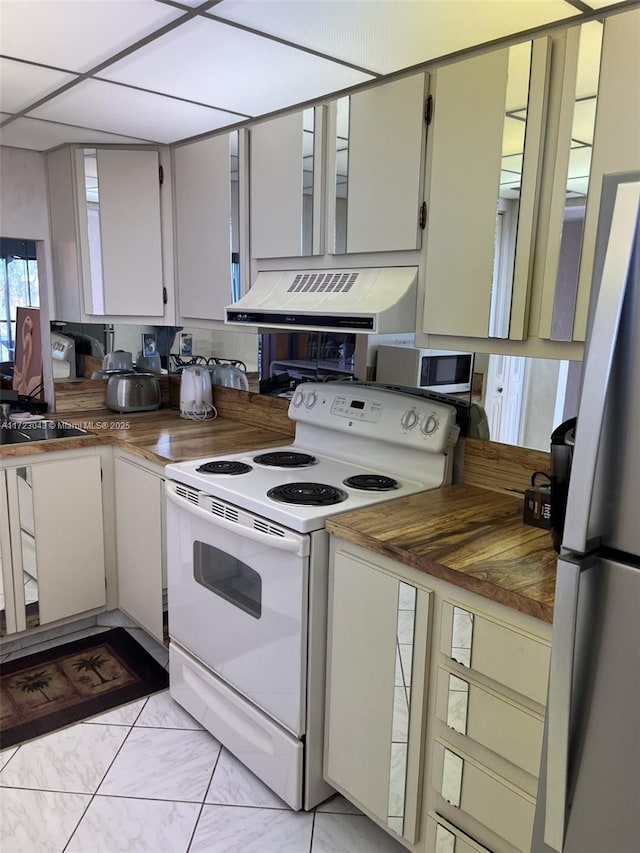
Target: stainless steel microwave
[[445, 371]]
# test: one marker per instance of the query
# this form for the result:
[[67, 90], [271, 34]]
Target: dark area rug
[[48, 690]]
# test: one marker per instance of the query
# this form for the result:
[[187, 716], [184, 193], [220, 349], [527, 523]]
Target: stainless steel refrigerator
[[589, 790]]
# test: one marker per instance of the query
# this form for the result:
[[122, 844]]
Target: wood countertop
[[465, 535], [161, 436]]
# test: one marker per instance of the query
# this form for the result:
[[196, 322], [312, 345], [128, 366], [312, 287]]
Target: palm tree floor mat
[[48, 690]]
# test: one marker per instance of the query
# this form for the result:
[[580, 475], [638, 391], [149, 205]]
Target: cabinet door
[[386, 133], [616, 140], [484, 165], [57, 539], [7, 608], [283, 159], [139, 547], [130, 237], [204, 225], [377, 648]]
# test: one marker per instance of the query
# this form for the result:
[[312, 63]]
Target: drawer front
[[443, 837], [491, 720], [510, 657], [262, 746], [484, 796]]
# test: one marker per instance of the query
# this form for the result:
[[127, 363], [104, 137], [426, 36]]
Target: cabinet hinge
[[165, 298], [428, 109], [161, 174], [422, 215]]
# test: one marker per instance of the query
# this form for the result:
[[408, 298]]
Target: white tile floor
[[147, 777]]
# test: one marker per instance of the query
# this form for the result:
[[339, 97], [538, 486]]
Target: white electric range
[[247, 558]]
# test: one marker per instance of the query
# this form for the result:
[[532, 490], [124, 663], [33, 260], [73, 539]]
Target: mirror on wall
[[512, 159], [524, 399], [81, 347]]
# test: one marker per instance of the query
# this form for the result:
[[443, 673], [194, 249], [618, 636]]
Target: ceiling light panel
[[215, 64], [385, 36], [42, 135], [106, 106], [76, 35], [22, 84]]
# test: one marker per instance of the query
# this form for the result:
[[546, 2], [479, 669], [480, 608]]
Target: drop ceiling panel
[[214, 64], [22, 84], [76, 35], [388, 36], [42, 135], [119, 109]]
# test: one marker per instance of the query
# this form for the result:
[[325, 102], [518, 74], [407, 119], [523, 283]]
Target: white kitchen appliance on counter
[[247, 557], [196, 400]]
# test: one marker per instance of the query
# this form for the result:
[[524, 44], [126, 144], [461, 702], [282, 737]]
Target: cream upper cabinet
[[52, 539], [598, 133], [483, 173], [376, 176], [105, 210], [284, 182], [207, 178]]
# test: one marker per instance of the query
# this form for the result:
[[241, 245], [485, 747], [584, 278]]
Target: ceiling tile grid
[[163, 70], [74, 35]]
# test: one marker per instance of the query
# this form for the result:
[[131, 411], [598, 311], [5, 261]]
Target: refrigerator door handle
[[565, 615], [578, 536]]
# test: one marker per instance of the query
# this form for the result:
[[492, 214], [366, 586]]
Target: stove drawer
[[271, 753]]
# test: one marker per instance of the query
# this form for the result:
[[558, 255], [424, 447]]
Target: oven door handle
[[287, 542]]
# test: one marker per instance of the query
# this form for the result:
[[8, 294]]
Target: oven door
[[238, 598]]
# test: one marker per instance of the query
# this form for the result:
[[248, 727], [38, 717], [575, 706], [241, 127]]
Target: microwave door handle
[[578, 536], [284, 543]]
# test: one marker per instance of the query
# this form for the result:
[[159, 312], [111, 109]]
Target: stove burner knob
[[298, 397], [311, 399], [409, 419], [430, 425]]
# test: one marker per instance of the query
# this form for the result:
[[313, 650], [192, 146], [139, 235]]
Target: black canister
[[562, 444]]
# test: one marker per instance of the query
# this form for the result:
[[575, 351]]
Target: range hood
[[373, 300]]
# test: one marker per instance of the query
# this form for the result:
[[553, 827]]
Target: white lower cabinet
[[377, 654], [139, 496], [435, 706], [52, 540]]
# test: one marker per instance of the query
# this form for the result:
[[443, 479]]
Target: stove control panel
[[357, 409], [379, 415]]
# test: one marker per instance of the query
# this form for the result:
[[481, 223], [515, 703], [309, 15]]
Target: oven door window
[[228, 577]]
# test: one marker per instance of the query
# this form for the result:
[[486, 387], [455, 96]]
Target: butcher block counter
[[465, 535], [162, 436]]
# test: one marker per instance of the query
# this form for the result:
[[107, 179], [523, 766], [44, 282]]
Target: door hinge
[[165, 298], [161, 175], [422, 215]]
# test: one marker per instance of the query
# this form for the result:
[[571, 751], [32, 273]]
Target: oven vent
[[187, 494], [269, 529], [323, 282], [221, 510]]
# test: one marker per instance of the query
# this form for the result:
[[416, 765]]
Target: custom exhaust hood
[[373, 300]]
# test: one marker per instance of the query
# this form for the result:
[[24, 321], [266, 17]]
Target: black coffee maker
[[563, 439]]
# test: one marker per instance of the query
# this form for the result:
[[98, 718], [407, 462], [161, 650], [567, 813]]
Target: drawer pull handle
[[445, 840], [457, 704], [452, 777], [462, 636]]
